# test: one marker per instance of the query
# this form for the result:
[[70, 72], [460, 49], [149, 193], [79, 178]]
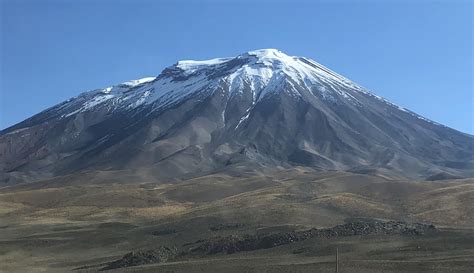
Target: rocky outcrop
[[237, 243], [134, 258]]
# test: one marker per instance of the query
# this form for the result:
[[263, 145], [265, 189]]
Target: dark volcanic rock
[[237, 243], [159, 255], [367, 228]]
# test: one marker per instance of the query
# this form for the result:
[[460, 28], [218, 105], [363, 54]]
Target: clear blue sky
[[417, 54]]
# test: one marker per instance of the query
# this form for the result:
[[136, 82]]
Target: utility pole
[[337, 260]]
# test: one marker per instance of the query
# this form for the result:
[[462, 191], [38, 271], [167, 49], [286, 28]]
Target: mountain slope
[[261, 109]]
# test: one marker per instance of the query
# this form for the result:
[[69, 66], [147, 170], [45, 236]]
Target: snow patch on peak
[[186, 64], [134, 83], [191, 66], [127, 84], [267, 53], [269, 57]]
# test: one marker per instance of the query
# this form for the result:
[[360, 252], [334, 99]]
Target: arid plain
[[77, 224]]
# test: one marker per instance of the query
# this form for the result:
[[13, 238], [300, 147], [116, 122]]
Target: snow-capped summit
[[262, 65], [266, 70], [260, 108], [266, 52]]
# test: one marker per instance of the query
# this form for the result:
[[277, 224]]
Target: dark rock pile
[[375, 227], [237, 243], [159, 255]]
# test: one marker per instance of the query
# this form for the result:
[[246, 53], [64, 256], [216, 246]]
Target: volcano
[[259, 110]]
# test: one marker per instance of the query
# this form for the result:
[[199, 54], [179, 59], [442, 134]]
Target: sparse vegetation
[[72, 229]]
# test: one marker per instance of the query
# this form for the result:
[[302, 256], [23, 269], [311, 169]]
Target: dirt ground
[[49, 227]]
